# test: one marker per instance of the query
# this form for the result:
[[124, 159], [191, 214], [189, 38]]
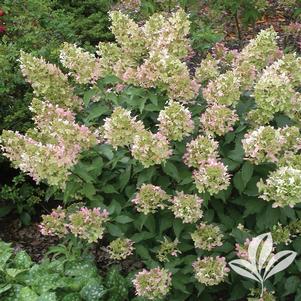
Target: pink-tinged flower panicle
[[211, 177], [150, 149], [56, 124], [187, 207], [218, 120], [153, 284], [128, 35], [211, 270], [207, 237], [242, 250], [149, 198], [200, 150], [54, 224], [168, 33], [267, 144], [263, 144], [49, 82], [83, 66], [120, 248], [56, 137], [208, 70], [168, 248], [282, 187], [86, 224], [120, 128], [175, 122], [259, 53], [224, 90], [274, 92]]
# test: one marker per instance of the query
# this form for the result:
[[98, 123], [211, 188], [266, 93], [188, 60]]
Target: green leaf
[[27, 294], [109, 189], [47, 297], [178, 227], [238, 182], [96, 111], [246, 172], [144, 235], [125, 176], [93, 291], [142, 251], [114, 230], [292, 284], [171, 170], [123, 219]]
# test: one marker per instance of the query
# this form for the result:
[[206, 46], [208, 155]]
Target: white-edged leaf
[[266, 250], [248, 271], [281, 265], [253, 247]]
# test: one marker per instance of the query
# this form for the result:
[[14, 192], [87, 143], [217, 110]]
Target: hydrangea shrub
[[189, 165]]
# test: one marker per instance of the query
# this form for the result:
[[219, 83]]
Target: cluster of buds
[[82, 64], [150, 149], [49, 82], [282, 187], [187, 207], [86, 224], [120, 248], [120, 128], [218, 120], [207, 237], [168, 248], [175, 122], [211, 270], [149, 198], [153, 284]]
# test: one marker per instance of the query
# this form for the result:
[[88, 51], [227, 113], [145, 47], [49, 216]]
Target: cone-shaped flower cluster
[[83, 65], [120, 128], [167, 248], [187, 207], [282, 187], [211, 270], [149, 198], [207, 237], [120, 248], [56, 137], [48, 82], [86, 224], [218, 120], [153, 284], [175, 122]]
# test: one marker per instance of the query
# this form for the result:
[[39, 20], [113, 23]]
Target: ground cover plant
[[178, 167]]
